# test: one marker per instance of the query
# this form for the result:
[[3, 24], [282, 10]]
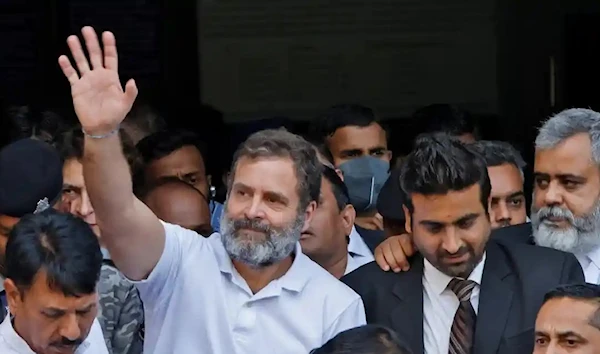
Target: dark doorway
[[582, 55]]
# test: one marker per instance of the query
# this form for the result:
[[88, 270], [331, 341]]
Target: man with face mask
[[30, 177], [358, 146]]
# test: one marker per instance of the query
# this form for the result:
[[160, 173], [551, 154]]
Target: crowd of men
[[112, 241]]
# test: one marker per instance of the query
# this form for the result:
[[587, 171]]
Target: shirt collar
[[105, 254], [18, 344], [357, 246], [1, 283], [352, 264], [593, 257], [439, 281], [294, 279]]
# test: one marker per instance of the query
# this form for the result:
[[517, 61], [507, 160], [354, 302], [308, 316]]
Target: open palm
[[98, 97]]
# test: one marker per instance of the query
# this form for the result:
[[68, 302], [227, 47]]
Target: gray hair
[[568, 123], [281, 143], [496, 153]]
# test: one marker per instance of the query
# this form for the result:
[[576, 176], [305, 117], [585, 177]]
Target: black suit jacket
[[521, 233], [515, 279]]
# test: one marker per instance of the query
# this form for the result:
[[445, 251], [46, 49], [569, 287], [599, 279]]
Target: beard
[[579, 237], [242, 243]]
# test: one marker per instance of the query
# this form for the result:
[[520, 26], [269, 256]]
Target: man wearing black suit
[[463, 293]]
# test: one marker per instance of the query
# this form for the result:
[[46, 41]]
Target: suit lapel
[[494, 301], [407, 316]]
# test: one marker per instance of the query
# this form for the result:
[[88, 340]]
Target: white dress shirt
[[440, 305], [12, 343], [196, 302], [590, 263], [359, 253]]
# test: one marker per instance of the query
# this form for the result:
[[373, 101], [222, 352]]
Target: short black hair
[[444, 118], [585, 292], [440, 163], [59, 244], [339, 116], [163, 143], [70, 146], [143, 193], [368, 339], [496, 153], [340, 191]]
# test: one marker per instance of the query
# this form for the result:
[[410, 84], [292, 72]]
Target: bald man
[[179, 203]]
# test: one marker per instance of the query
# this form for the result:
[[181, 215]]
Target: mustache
[[461, 252], [251, 224], [66, 342], [555, 212]]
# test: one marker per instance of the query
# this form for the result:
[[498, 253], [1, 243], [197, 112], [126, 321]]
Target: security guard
[[30, 181]]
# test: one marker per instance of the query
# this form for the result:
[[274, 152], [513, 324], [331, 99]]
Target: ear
[[13, 297], [388, 155], [348, 215], [308, 214], [408, 218], [340, 174]]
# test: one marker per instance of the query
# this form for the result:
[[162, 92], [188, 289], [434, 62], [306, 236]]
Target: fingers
[[131, 92], [78, 55], [93, 47], [67, 69], [380, 258], [395, 256], [110, 51]]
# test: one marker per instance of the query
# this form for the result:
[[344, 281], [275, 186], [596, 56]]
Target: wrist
[[100, 133]]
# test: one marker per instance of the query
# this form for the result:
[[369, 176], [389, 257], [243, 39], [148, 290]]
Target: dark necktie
[[463, 327]]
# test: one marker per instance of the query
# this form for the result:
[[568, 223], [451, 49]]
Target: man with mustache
[[53, 265], [565, 214], [477, 295], [248, 290]]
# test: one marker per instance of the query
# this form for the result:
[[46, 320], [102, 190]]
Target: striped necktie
[[463, 327]]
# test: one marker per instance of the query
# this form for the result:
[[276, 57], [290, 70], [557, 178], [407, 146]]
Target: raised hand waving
[[98, 97]]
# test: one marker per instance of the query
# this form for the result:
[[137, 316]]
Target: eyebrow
[[71, 186], [510, 196], [459, 220], [562, 175], [272, 194]]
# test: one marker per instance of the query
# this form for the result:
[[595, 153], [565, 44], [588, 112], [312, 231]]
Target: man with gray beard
[[565, 213], [250, 290]]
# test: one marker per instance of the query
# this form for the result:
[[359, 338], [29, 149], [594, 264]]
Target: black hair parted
[[439, 164], [59, 244], [584, 292]]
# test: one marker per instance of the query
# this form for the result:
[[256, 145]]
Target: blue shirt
[[216, 210]]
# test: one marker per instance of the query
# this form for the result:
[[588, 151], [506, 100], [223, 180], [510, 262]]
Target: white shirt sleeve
[[353, 316], [157, 288]]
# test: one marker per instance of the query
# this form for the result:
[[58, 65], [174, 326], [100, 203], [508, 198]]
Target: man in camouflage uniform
[[121, 314]]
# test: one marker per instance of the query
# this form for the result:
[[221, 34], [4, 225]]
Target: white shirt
[[359, 253], [12, 343], [590, 263], [196, 302], [440, 305]]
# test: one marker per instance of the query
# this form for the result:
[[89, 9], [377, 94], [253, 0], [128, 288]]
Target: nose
[[553, 194], [255, 209], [451, 243], [85, 206], [501, 214], [69, 327]]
